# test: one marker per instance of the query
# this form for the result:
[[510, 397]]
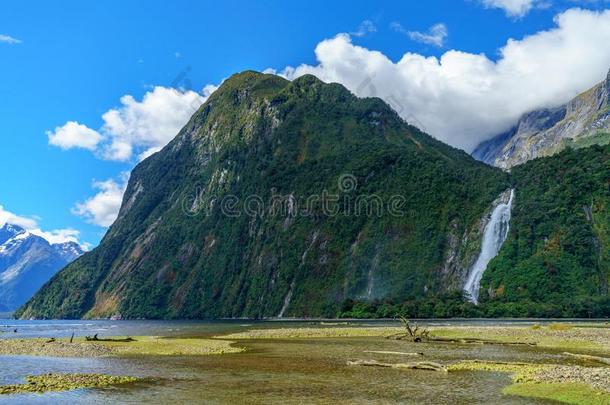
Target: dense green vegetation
[[556, 259], [455, 306], [557, 250], [178, 250], [262, 135]]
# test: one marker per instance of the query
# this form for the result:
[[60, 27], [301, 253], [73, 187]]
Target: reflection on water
[[282, 371]]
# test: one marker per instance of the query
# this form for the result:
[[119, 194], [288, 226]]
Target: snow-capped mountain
[[27, 261]]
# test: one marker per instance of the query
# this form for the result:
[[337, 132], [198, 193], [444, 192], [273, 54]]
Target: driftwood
[[420, 365], [50, 340], [398, 353], [72, 338], [595, 359], [96, 339], [502, 363], [481, 341], [417, 335], [412, 333]]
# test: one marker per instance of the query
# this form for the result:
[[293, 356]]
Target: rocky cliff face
[[583, 121], [27, 262], [281, 199]]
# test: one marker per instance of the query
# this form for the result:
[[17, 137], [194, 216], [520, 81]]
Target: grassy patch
[[546, 381], [141, 346], [568, 393], [64, 382], [521, 372], [560, 326], [600, 138], [158, 346]]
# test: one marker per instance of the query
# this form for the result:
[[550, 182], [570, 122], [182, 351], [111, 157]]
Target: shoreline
[[579, 381], [140, 346], [551, 336], [5, 317]]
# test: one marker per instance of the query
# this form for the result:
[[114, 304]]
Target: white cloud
[[464, 98], [436, 34], [31, 224], [365, 27], [150, 123], [137, 128], [103, 208], [461, 98], [512, 8], [58, 235], [74, 135], [11, 218], [9, 40]]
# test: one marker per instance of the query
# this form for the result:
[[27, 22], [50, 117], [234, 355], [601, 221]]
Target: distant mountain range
[[28, 261], [221, 222], [582, 122]]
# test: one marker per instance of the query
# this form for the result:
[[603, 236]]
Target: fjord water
[[494, 235], [270, 371]]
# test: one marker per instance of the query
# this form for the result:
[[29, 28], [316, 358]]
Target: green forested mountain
[[558, 248], [173, 253], [555, 261], [299, 199]]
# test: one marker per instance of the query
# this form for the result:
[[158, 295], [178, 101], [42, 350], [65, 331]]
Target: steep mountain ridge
[[222, 223], [583, 121], [28, 261], [189, 244]]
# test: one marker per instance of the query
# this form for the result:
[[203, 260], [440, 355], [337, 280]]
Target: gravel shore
[[313, 332], [143, 345], [553, 336], [560, 336], [596, 377]]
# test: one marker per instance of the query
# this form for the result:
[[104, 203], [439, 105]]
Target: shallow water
[[271, 371]]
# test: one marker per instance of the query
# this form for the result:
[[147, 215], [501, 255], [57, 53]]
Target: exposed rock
[[584, 120]]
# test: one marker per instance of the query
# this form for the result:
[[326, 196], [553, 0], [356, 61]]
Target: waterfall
[[287, 300], [494, 235]]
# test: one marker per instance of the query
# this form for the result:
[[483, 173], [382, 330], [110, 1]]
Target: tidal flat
[[314, 362], [64, 382], [141, 345]]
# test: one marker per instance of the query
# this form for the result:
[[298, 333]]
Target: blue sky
[[74, 62]]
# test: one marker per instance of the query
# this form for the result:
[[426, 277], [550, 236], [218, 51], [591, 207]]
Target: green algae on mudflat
[[64, 382], [521, 372], [141, 346], [567, 384], [567, 393], [159, 346]]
